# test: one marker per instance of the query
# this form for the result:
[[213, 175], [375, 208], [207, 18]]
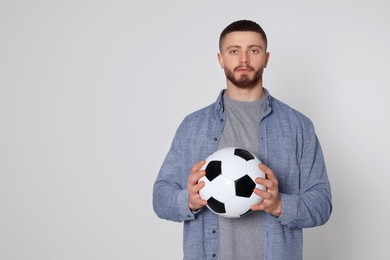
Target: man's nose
[[244, 58]]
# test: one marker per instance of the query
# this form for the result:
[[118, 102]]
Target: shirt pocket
[[282, 159]]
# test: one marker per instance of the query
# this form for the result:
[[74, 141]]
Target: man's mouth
[[243, 69]]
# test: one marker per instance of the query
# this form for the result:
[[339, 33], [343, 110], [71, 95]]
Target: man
[[245, 115]]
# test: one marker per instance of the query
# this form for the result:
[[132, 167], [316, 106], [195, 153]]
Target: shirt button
[[214, 255], [215, 138], [214, 231], [221, 120]]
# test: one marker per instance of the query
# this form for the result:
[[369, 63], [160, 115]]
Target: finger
[[202, 202], [256, 207], [264, 194], [268, 172], [197, 166], [194, 186], [194, 176], [196, 202], [199, 186], [265, 169], [265, 205], [262, 206], [264, 182]]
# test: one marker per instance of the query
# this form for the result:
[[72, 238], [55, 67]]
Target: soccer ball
[[230, 180]]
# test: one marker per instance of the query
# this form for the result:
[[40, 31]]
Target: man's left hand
[[271, 198]]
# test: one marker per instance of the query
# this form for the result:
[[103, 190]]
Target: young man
[[245, 115]]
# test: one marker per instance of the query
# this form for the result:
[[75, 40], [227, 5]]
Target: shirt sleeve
[[312, 206], [170, 198]]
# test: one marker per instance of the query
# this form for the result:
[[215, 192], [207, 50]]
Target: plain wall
[[91, 93]]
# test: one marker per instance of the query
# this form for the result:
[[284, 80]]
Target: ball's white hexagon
[[219, 155], [222, 188], [207, 191], [255, 199], [237, 206], [234, 168], [253, 169]]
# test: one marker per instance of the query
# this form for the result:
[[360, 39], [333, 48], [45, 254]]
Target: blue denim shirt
[[288, 145]]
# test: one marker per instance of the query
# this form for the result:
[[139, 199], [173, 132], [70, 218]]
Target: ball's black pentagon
[[244, 154], [244, 186], [216, 205], [213, 170]]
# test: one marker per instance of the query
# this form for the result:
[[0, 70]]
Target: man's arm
[[312, 206], [170, 198]]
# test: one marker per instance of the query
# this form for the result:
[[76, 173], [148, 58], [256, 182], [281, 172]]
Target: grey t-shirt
[[241, 238]]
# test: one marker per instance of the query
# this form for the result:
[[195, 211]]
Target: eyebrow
[[249, 46]]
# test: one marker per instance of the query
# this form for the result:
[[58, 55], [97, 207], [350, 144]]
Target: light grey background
[[91, 93]]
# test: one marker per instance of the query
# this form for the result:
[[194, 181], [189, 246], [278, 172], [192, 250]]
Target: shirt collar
[[219, 108]]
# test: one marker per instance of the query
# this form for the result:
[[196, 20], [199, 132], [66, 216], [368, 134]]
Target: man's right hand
[[195, 202]]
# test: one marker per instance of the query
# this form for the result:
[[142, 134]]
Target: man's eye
[[254, 51], [233, 52]]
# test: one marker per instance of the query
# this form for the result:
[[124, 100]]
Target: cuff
[[289, 208], [182, 201]]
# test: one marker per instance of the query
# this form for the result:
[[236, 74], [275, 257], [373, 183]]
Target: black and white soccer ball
[[229, 182]]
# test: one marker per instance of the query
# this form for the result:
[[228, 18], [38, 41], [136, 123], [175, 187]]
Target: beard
[[244, 82]]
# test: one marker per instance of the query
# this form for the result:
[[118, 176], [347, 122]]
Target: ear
[[220, 60], [266, 59]]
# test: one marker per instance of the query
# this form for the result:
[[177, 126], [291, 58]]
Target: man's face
[[243, 57]]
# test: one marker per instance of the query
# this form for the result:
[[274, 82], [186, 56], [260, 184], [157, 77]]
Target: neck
[[247, 95]]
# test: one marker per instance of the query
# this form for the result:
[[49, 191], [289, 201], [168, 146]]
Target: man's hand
[[194, 200], [271, 198]]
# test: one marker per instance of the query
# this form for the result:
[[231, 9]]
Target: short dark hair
[[243, 26]]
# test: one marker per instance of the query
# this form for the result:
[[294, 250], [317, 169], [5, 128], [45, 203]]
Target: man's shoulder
[[208, 111], [201, 114], [282, 109]]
